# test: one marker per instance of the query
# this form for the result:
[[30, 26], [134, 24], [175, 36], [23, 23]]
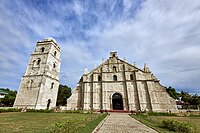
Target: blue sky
[[164, 34]]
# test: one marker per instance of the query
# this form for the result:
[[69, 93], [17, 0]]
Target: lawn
[[38, 122], [155, 121]]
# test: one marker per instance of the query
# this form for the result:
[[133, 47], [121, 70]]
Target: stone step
[[116, 111]]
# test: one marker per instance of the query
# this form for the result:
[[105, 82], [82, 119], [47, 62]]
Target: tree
[[185, 96], [64, 92], [9, 98], [172, 92], [195, 100]]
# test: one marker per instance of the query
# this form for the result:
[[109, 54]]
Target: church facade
[[118, 85]]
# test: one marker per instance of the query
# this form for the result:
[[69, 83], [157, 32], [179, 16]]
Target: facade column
[[82, 97], [148, 96], [137, 99], [101, 90], [91, 92], [125, 88], [79, 97]]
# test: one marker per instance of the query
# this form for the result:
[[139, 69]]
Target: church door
[[117, 101], [48, 103]]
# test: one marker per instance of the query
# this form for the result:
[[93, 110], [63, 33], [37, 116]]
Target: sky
[[165, 34]]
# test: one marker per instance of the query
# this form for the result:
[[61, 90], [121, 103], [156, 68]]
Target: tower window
[[113, 55], [99, 78], [30, 83], [38, 62], [131, 77], [52, 84], [114, 69], [42, 49], [114, 78], [33, 62], [55, 53], [54, 65]]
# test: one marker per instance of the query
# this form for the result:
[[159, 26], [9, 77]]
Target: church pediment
[[115, 65]]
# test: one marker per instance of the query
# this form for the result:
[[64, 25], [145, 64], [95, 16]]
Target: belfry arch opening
[[117, 102], [114, 78], [42, 49], [131, 77], [99, 78], [55, 53], [38, 61], [114, 69]]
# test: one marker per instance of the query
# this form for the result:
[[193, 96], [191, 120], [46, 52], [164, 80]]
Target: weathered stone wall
[[28, 95]]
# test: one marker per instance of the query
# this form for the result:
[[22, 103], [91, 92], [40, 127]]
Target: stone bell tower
[[39, 85]]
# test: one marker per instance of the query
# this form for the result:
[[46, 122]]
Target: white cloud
[[127, 4], [78, 8], [165, 34]]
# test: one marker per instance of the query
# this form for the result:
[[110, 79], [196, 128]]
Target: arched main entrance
[[117, 101]]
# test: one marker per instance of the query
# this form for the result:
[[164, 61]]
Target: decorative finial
[[134, 63], [86, 71], [145, 65], [95, 66], [146, 69], [125, 59], [102, 60]]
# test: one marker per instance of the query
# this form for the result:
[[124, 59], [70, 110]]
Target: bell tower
[[39, 85]]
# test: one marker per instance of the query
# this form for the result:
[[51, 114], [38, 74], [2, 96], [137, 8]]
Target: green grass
[[155, 121], [78, 126], [150, 121], [37, 122], [91, 126]]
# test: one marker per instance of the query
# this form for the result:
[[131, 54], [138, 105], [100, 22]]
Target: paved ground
[[123, 123]]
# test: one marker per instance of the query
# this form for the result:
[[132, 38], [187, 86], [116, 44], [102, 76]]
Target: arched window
[[38, 62], [42, 49], [52, 85], [33, 62], [113, 55], [30, 83], [114, 69], [99, 78], [54, 65], [55, 53], [131, 77], [114, 78]]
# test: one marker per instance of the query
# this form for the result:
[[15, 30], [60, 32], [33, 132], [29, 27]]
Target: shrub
[[161, 114], [41, 110], [192, 115], [176, 126], [78, 111], [73, 111], [10, 110]]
